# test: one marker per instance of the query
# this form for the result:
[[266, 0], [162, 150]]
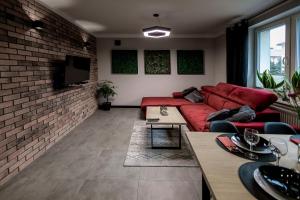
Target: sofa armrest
[[267, 115], [177, 95]]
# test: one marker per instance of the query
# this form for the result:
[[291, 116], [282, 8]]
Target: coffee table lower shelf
[[165, 147]]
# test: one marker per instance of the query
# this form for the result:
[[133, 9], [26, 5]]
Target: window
[[277, 48], [298, 44], [271, 51]]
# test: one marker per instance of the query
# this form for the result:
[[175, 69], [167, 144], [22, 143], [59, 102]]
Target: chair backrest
[[278, 128], [223, 127]]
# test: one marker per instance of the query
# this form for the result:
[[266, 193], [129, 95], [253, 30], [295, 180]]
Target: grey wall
[[220, 59], [131, 88]]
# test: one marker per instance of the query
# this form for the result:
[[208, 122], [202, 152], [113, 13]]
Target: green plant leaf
[[259, 76], [105, 89], [296, 80], [278, 85], [267, 80]]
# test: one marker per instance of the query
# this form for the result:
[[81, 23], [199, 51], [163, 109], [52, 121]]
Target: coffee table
[[174, 118]]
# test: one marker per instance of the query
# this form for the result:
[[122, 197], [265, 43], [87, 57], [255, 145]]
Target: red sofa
[[217, 97]]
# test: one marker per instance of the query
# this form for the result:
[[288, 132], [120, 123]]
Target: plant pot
[[105, 106], [297, 90]]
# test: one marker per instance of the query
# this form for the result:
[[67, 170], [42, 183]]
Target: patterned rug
[[140, 152]]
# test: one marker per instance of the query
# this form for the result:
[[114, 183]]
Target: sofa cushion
[[166, 101], [216, 101], [231, 105], [267, 115], [196, 115], [257, 99], [224, 89]]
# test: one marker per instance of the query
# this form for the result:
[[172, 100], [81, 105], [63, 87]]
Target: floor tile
[[109, 189], [167, 190], [87, 164]]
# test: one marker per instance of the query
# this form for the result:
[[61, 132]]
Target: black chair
[[278, 128], [223, 127]]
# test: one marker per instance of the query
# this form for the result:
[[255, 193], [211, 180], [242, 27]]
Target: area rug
[[140, 153]]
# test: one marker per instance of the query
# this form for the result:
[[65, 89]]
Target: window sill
[[283, 105]]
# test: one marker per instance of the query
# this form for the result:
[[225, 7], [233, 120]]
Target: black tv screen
[[77, 70]]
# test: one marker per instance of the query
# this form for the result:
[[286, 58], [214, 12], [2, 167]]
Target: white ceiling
[[186, 18]]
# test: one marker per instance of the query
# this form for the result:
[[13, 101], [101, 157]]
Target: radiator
[[287, 114]]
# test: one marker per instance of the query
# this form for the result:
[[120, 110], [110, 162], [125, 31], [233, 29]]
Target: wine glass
[[298, 156], [279, 147], [252, 138]]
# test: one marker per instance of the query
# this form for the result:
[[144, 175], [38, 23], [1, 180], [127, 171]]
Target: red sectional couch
[[217, 97]]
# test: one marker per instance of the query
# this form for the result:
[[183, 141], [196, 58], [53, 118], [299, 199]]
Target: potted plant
[[296, 82], [105, 89], [284, 90], [268, 81]]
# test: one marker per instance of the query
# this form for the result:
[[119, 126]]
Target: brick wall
[[34, 116]]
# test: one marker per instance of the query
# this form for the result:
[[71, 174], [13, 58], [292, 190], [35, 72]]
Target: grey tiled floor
[[88, 165]]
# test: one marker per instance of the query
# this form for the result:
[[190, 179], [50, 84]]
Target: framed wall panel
[[157, 62], [190, 62], [124, 62]]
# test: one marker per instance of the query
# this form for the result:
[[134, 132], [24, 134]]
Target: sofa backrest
[[225, 95]]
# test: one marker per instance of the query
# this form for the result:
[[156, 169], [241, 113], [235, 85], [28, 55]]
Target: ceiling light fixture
[[86, 44], [157, 31], [38, 25]]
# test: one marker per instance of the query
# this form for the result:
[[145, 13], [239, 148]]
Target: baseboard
[[125, 106]]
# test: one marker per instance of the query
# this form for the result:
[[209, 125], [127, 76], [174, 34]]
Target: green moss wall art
[[124, 62], [157, 62], [190, 62]]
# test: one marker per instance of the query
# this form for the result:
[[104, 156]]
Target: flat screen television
[[77, 70]]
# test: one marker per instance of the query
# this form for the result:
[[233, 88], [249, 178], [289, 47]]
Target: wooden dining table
[[220, 168]]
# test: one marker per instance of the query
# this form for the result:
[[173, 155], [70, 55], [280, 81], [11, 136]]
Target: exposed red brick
[[33, 116], [6, 104], [11, 97]]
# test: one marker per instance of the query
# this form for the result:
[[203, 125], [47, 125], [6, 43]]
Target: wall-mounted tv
[[77, 70]]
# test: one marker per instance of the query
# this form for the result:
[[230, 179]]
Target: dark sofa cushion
[[188, 90], [243, 114], [219, 115], [194, 97]]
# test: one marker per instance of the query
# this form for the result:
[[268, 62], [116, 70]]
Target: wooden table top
[[174, 117], [220, 168]]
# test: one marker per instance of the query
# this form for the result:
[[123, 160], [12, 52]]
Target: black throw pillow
[[245, 114], [188, 90], [234, 111], [194, 97], [219, 115]]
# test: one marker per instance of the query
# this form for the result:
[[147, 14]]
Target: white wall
[[220, 59], [131, 88]]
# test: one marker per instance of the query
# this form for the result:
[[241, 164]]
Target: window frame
[[294, 42], [284, 21]]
